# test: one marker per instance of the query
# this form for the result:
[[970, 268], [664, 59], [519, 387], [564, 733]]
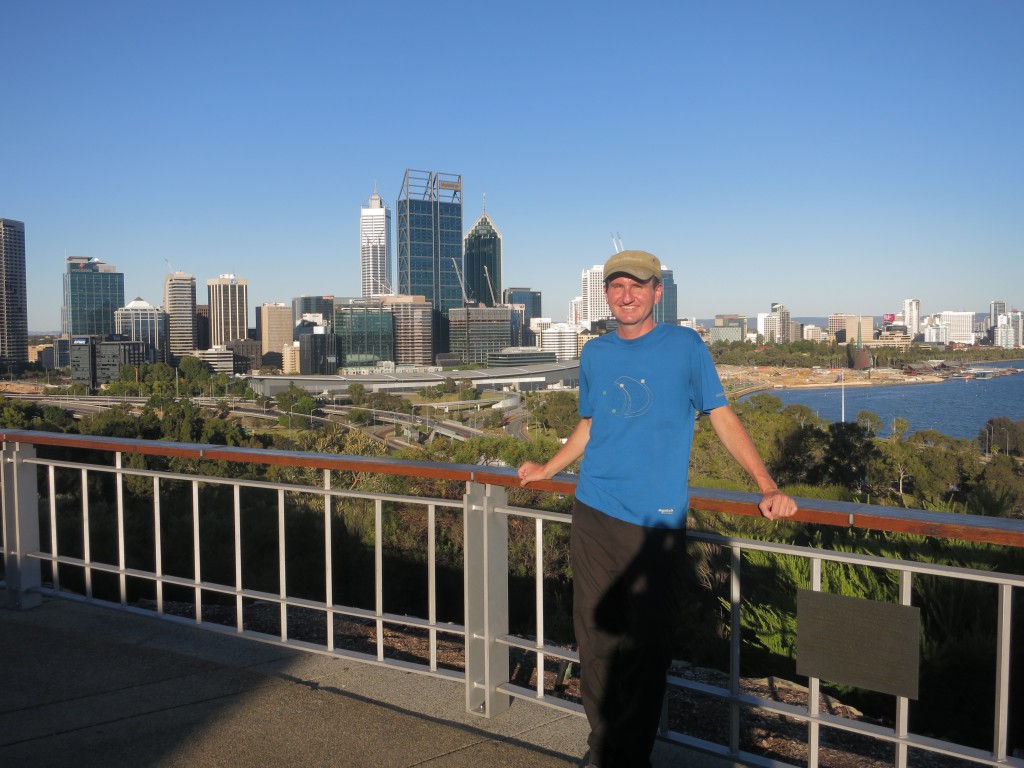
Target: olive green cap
[[640, 265]]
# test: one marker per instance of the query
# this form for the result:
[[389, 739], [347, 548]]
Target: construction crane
[[494, 299], [617, 242], [462, 285]]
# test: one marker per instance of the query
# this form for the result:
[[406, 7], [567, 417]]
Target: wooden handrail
[[946, 525]]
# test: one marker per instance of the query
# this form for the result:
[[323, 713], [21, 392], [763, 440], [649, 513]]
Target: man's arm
[[571, 450], [774, 504]]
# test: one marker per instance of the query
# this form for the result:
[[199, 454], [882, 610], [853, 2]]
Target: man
[[640, 390]]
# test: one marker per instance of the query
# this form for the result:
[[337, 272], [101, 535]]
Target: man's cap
[[640, 265]]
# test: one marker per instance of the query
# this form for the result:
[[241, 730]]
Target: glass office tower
[[666, 311], [483, 262], [366, 333], [530, 301], [93, 292], [430, 264], [13, 293]]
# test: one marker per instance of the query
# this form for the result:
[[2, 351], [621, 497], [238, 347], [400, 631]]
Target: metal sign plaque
[[863, 643]]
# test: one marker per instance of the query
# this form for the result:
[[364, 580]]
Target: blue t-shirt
[[642, 396]]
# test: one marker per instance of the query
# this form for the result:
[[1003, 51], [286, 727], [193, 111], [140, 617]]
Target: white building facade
[[562, 339], [375, 247], [912, 315], [141, 321], [594, 306]]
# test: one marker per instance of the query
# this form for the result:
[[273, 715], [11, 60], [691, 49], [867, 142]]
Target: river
[[955, 407]]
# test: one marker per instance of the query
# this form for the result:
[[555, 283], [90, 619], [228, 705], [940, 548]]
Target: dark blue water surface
[[955, 407]]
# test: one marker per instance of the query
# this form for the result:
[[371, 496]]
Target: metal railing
[[45, 539]]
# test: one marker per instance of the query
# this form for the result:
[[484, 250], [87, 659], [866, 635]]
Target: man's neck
[[630, 332]]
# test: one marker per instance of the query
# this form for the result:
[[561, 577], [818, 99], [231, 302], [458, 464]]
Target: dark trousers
[[627, 587]]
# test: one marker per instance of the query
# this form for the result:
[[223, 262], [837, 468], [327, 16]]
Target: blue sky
[[834, 156]]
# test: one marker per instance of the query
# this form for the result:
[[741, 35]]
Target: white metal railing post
[[485, 544], [21, 526]]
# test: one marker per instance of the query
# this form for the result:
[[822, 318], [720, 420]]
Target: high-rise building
[[375, 247], [575, 314], [595, 304], [93, 292], [246, 354], [995, 309], [477, 332], [483, 262], [776, 327], [180, 306], [562, 339], [667, 310], [366, 333], [303, 306], [13, 293], [229, 309], [141, 321], [430, 262], [837, 325], [526, 304], [202, 326], [961, 326], [276, 332], [414, 328], [318, 352], [851, 329], [728, 328], [912, 315]]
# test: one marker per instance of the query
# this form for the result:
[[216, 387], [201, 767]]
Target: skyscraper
[[13, 294], [912, 315], [995, 309], [414, 329], [93, 292], [141, 321], [595, 305], [229, 309], [666, 310], [180, 306], [477, 332], [375, 247], [530, 301], [276, 332], [483, 261], [312, 305], [430, 262]]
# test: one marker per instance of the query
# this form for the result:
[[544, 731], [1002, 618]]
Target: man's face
[[632, 302]]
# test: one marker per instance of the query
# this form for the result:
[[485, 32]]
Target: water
[[955, 407]]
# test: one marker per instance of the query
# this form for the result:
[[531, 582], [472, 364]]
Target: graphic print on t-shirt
[[637, 397]]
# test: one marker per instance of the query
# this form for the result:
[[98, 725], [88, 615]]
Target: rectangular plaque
[[858, 642]]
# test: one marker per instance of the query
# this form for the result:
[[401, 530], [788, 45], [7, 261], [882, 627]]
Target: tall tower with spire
[[482, 249], [375, 247]]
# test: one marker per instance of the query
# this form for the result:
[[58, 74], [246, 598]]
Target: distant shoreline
[[741, 381]]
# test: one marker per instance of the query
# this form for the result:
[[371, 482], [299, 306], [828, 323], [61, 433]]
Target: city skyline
[[836, 157]]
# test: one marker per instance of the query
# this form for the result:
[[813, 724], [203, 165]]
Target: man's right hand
[[531, 471]]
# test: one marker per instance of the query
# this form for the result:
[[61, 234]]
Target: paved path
[[84, 686]]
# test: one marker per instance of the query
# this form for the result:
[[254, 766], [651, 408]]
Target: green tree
[[357, 393], [192, 369]]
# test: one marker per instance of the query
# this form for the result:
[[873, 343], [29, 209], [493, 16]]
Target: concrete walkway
[[83, 686]]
